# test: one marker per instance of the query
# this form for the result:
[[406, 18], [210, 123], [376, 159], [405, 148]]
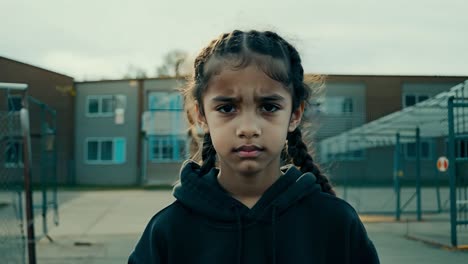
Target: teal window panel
[[119, 150]]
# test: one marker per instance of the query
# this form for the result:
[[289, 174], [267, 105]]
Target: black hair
[[276, 58]]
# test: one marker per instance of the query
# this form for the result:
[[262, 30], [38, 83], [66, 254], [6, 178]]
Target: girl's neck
[[247, 188]]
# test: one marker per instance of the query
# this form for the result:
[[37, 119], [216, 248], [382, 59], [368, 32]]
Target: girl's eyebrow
[[221, 98], [268, 98]]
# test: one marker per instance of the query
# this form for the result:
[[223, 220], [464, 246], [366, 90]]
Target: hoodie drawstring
[[239, 237], [273, 229]]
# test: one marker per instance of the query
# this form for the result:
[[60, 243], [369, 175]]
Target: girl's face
[[248, 116]]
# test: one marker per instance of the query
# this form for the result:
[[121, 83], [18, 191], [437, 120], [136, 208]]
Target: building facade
[[49, 92], [129, 132], [149, 146], [361, 99], [107, 132], [165, 142]]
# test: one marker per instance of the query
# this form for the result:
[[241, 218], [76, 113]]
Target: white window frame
[[152, 157], [416, 95], [100, 99], [113, 161], [430, 154]]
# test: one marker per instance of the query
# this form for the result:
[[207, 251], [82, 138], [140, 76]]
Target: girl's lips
[[248, 154], [248, 151], [248, 148]]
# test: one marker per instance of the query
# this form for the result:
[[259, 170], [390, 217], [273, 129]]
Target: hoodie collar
[[203, 194]]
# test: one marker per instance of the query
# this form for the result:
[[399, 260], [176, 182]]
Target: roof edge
[[36, 67]]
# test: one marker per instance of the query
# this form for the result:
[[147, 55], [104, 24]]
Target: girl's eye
[[226, 109], [270, 108]]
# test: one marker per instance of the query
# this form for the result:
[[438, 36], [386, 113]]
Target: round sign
[[442, 164]]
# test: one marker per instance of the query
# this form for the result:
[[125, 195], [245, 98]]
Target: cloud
[[362, 36], [82, 66]]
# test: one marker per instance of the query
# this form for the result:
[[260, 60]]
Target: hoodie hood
[[202, 194], [267, 233]]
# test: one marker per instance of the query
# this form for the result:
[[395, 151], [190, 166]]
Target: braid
[[300, 91], [208, 155], [297, 150]]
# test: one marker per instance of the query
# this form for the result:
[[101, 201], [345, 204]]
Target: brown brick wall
[[42, 86], [384, 93]]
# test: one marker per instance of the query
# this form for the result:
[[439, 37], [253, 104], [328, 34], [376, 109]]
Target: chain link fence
[[12, 239], [43, 123]]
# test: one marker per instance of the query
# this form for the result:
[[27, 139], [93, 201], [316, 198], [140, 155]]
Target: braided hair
[[276, 58]]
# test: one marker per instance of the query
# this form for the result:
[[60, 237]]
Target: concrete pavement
[[103, 226]]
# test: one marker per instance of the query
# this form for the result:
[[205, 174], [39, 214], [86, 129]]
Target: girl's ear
[[201, 120], [296, 117]]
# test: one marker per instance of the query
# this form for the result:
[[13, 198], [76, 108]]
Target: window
[[422, 98], [461, 149], [105, 150], [165, 101], [120, 101], [425, 148], [167, 148], [107, 105], [347, 106], [412, 99], [93, 150], [14, 154], [104, 105], [93, 106], [335, 105], [15, 103]]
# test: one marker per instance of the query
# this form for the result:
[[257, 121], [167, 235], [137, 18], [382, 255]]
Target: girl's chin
[[249, 168]]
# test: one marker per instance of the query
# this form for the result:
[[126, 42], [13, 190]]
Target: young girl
[[240, 205]]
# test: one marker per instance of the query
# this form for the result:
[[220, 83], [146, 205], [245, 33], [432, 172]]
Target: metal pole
[[55, 168], [437, 174], [43, 170], [144, 159], [451, 169], [418, 173], [396, 180], [345, 180], [31, 241]]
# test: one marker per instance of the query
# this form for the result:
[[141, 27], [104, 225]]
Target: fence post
[[396, 180], [27, 181], [451, 156], [436, 174], [418, 173], [43, 172]]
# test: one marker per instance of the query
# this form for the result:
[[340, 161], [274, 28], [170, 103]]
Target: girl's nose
[[248, 127]]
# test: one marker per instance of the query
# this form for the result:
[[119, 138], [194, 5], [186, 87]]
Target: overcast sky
[[94, 39]]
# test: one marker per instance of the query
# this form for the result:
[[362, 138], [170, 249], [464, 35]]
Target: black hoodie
[[293, 222]]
